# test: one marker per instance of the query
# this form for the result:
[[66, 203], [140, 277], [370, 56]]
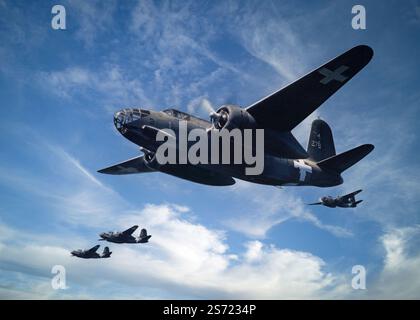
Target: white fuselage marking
[[303, 168]]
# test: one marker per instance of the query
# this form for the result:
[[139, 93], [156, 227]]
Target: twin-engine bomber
[[286, 162], [125, 236], [346, 201], [91, 253]]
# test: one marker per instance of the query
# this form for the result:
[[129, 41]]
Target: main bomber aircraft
[[126, 236], [285, 160]]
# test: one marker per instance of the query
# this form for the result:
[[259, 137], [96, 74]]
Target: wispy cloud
[[400, 276], [110, 86], [272, 207]]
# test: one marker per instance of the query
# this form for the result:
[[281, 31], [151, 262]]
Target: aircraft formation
[[286, 162], [115, 237]]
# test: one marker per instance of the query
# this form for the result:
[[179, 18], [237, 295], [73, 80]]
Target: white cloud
[[183, 259], [400, 276], [188, 258]]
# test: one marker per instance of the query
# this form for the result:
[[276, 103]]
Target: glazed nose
[[120, 119]]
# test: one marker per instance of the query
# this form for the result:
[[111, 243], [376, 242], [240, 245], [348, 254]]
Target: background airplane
[[285, 160], [91, 253], [126, 236], [346, 201]]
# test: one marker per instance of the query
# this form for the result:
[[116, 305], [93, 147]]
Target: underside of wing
[[130, 230], [135, 165], [198, 174], [94, 249], [350, 195], [286, 108]]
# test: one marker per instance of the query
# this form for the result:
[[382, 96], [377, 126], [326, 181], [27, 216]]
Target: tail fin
[[143, 233], [106, 253], [321, 142], [345, 160]]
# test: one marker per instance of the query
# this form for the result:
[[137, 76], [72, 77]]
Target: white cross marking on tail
[[333, 75], [303, 169]]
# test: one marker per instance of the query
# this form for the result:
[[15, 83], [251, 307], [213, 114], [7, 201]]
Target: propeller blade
[[207, 106]]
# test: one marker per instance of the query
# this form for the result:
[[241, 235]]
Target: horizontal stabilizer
[[345, 160]]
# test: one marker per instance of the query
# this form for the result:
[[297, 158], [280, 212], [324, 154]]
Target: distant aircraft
[[126, 236], [91, 253], [346, 201], [286, 162]]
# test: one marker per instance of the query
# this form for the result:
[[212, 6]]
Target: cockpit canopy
[[128, 115], [177, 114]]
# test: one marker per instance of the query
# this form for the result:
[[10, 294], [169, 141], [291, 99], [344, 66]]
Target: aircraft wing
[[130, 230], [95, 248], [350, 195], [314, 204], [198, 174], [286, 108], [188, 172], [134, 165]]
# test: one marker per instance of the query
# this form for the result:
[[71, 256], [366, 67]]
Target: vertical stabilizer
[[321, 142]]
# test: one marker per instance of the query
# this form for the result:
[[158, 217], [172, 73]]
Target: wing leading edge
[[286, 108], [350, 195], [184, 171], [134, 165], [130, 230], [94, 249]]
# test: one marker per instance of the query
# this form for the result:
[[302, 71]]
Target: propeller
[[209, 109], [207, 106], [218, 119]]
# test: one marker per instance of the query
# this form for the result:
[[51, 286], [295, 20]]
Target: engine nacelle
[[230, 117], [150, 160]]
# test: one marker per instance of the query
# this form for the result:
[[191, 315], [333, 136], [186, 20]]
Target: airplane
[[91, 253], [346, 201], [125, 236], [286, 162]]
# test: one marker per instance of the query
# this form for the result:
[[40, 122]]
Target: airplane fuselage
[[278, 170], [337, 202], [118, 238], [124, 239], [85, 254]]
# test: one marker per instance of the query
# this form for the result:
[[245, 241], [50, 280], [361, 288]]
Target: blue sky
[[59, 90]]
